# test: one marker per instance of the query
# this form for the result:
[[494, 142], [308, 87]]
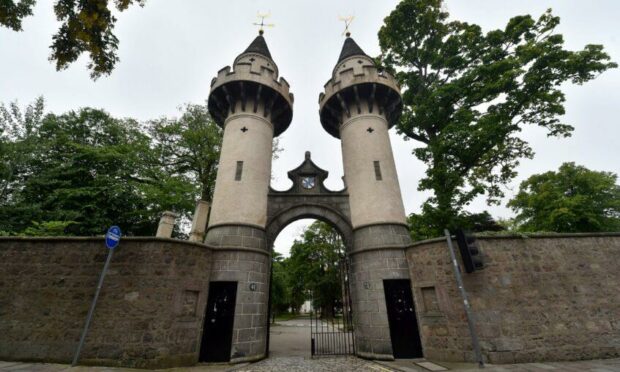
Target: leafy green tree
[[17, 144], [422, 227], [468, 94], [573, 199], [49, 228], [315, 264], [189, 146], [92, 170], [12, 13], [86, 27], [280, 294]]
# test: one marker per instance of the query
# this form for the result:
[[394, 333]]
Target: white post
[[166, 224], [199, 222]]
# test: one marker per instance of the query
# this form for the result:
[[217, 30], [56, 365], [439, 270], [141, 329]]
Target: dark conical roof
[[350, 48], [259, 45]]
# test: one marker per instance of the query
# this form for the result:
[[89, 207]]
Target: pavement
[[342, 364], [290, 338], [418, 365], [290, 352]]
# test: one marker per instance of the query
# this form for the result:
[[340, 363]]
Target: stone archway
[[325, 330], [316, 211], [252, 103], [308, 198]]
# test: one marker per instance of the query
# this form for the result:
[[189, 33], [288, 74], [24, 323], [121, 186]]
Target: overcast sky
[[170, 51]]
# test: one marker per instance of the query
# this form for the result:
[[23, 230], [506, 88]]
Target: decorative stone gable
[[308, 197]]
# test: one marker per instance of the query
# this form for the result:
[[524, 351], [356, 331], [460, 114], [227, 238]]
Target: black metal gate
[[331, 332]]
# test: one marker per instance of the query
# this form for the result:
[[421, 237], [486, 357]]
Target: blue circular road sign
[[113, 237]]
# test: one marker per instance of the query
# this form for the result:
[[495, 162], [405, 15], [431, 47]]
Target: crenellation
[[236, 223], [283, 82], [221, 73], [356, 91]]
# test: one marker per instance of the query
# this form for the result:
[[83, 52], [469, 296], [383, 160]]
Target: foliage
[[84, 170], [88, 170], [86, 27], [422, 227], [189, 146], [48, 228], [468, 95], [314, 266], [91, 169], [17, 143], [280, 294], [573, 199], [12, 13]]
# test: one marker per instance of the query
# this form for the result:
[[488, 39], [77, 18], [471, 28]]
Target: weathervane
[[347, 22], [262, 23]]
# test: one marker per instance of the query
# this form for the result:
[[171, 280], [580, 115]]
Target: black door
[[401, 316], [218, 323]]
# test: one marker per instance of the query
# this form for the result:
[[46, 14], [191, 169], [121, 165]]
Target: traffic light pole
[[468, 312]]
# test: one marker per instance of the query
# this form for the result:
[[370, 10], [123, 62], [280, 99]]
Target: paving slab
[[603, 365], [322, 364], [342, 364], [290, 338]]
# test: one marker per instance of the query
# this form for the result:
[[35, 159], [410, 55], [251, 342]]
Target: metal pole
[[92, 308], [466, 305]]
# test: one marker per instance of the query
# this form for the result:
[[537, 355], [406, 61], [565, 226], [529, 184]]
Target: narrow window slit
[[378, 170], [239, 171]]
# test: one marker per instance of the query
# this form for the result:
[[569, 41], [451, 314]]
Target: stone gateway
[[360, 104], [171, 303]]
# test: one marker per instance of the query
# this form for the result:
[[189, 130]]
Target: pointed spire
[[350, 48], [259, 45]]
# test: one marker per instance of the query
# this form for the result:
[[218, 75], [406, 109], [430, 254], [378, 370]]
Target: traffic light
[[470, 253]]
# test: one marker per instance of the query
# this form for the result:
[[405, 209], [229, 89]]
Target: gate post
[[359, 105], [252, 106]]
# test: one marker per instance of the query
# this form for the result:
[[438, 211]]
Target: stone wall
[[370, 319], [251, 270], [149, 314], [540, 298]]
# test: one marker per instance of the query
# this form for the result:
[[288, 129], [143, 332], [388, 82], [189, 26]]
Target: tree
[[421, 226], [89, 170], [469, 94], [314, 265], [17, 143], [189, 146], [573, 199], [86, 27], [280, 294], [11, 13]]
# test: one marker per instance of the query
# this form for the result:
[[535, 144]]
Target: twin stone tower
[[253, 105]]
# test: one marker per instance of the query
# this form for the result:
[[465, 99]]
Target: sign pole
[[466, 305], [112, 239]]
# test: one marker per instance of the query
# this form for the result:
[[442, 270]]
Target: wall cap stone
[[549, 235], [97, 239]]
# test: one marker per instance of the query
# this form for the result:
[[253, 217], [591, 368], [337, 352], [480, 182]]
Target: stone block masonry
[[251, 271], [149, 313], [370, 319], [539, 298], [240, 255]]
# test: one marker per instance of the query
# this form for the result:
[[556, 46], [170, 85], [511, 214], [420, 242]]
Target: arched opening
[[310, 211], [309, 298]]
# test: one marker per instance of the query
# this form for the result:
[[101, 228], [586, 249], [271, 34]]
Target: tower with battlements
[[252, 103], [360, 104]]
